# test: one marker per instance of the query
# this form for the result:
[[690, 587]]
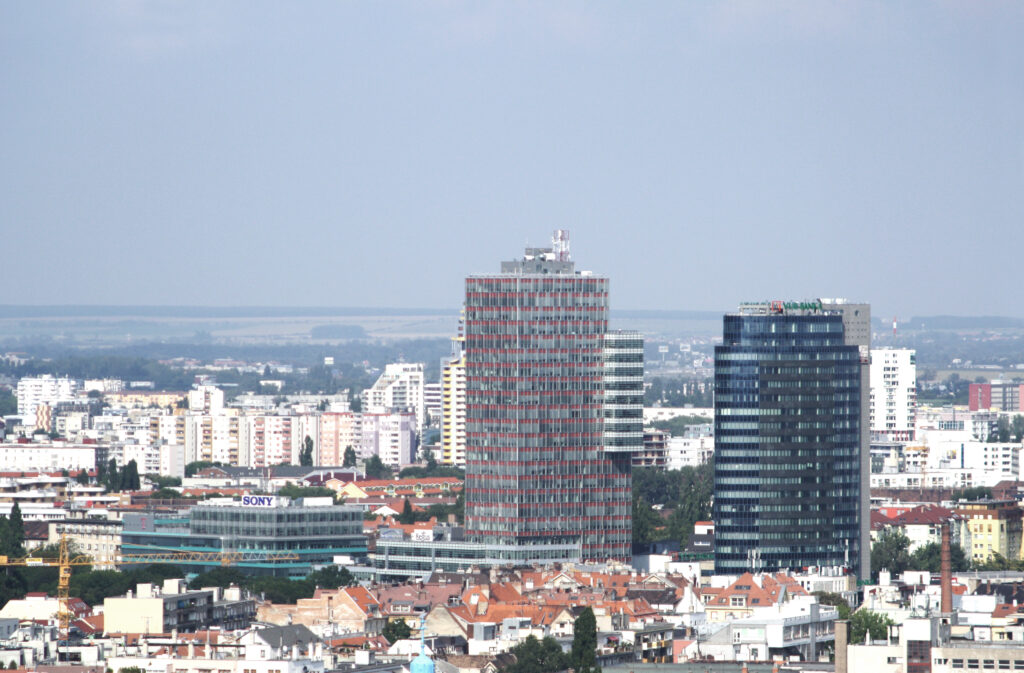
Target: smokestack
[[842, 637], [947, 573]]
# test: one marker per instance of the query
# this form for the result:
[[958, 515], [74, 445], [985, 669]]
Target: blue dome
[[422, 664]]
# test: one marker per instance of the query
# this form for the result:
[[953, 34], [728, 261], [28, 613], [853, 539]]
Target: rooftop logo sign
[[258, 500]]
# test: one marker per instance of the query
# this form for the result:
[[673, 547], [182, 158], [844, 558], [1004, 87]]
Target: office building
[[314, 529], [791, 437], [539, 481], [893, 394], [624, 393], [997, 395]]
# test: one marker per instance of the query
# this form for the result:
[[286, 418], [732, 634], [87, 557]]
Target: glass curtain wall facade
[[788, 416], [537, 474]]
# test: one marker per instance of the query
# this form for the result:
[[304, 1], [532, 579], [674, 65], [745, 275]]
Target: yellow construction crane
[[65, 561]]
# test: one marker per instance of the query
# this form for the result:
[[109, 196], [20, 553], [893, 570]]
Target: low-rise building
[[173, 607]]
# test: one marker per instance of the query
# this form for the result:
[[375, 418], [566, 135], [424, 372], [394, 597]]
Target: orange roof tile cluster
[[760, 591]]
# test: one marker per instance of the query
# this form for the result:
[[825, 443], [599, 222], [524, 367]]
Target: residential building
[[432, 399], [655, 451], [539, 481], [213, 438], [791, 437], [453, 411], [399, 388], [339, 431], [206, 400], [391, 436], [47, 457], [893, 394], [172, 607], [989, 527], [100, 539], [49, 390]]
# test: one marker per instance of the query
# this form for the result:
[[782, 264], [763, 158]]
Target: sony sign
[[258, 500]]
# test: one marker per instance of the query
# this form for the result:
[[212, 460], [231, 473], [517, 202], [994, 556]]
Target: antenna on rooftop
[[560, 245]]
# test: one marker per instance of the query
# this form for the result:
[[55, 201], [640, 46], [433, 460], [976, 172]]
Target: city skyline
[[239, 155]]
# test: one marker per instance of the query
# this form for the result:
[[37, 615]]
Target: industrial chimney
[[947, 573]]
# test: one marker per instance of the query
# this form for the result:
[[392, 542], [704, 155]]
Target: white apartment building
[[692, 451], [47, 457], [978, 424], [271, 440], [453, 411], [432, 397], [391, 436], [206, 400], [338, 431], [399, 388], [35, 390], [103, 385], [213, 438], [893, 393]]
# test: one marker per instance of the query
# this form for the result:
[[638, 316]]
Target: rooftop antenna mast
[[560, 245]]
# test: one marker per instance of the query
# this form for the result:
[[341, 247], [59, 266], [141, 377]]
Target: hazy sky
[[374, 153]]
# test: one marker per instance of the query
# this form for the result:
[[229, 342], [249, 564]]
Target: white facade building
[[399, 388], [390, 436], [692, 451], [893, 393], [47, 457], [206, 400], [35, 390]]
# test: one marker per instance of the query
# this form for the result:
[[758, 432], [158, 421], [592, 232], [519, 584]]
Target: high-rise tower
[[791, 437], [538, 479]]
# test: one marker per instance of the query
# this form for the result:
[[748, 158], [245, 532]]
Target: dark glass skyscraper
[[790, 428], [538, 479]]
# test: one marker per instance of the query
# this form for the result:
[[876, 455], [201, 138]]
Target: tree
[[112, 478], [350, 457], [538, 656], [973, 493], [864, 622], [376, 469], [82, 477], [645, 522], [836, 601], [1017, 428], [929, 557], [306, 455], [197, 466], [130, 477], [291, 490], [332, 577], [395, 630], [1002, 431], [890, 552], [584, 643], [16, 530], [219, 577], [407, 516]]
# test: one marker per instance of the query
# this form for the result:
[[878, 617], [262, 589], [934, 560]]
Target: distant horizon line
[[251, 310], [23, 311]]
